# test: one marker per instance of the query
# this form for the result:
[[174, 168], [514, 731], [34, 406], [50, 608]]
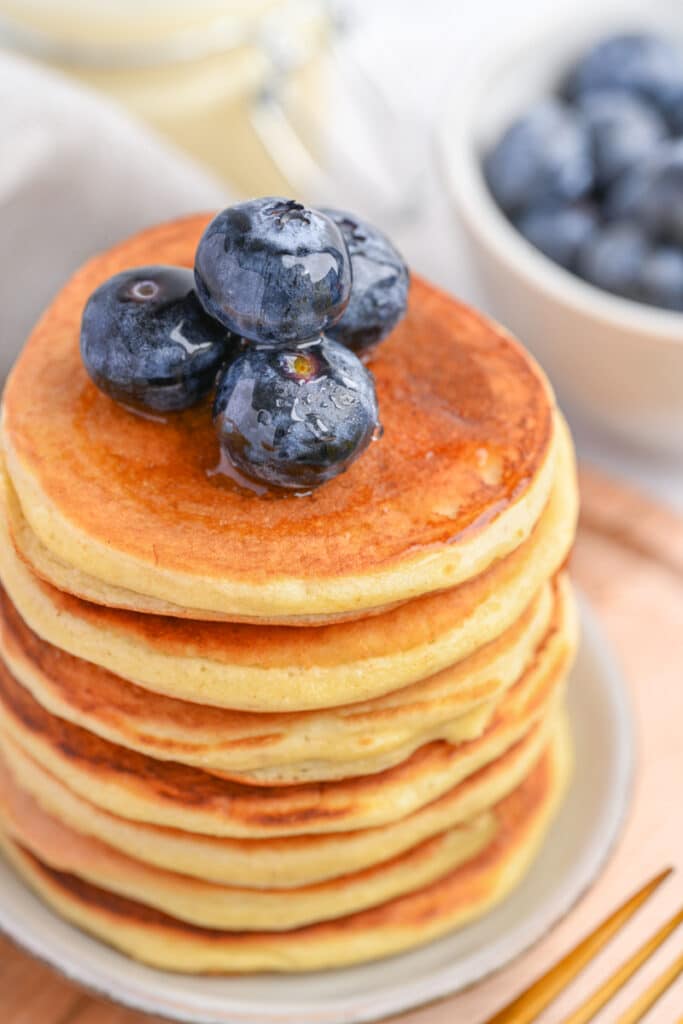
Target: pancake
[[413, 919], [288, 861], [132, 785], [273, 669], [231, 908], [458, 480], [456, 705]]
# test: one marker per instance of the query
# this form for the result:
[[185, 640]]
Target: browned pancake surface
[[410, 625], [462, 886], [90, 689], [467, 423], [300, 807]]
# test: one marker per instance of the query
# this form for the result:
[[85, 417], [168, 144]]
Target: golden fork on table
[[528, 1006]]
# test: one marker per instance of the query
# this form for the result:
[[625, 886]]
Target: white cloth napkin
[[76, 175]]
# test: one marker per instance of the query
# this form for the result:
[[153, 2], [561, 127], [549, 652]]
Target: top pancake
[[458, 479]]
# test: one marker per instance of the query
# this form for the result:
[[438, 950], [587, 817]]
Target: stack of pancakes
[[243, 733]]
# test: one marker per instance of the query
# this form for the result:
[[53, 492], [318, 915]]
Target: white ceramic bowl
[[616, 365]]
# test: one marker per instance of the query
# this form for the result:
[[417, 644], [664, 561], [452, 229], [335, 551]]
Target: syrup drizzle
[[145, 414], [226, 474]]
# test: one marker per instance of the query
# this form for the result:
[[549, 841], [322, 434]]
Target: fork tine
[[527, 1006], [587, 1011], [654, 992]]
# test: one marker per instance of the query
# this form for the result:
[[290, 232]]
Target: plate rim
[[432, 987]]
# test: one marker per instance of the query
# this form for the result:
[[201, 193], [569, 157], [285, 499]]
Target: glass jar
[[191, 68]]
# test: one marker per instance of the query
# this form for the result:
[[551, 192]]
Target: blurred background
[[115, 114]]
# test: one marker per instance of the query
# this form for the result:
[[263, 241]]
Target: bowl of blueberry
[[275, 327], [563, 158]]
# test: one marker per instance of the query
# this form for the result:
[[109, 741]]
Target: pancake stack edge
[[341, 779]]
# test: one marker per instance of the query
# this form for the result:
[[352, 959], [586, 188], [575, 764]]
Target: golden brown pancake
[[163, 941], [281, 862], [166, 793], [282, 732], [277, 668], [455, 704], [229, 907], [459, 478]]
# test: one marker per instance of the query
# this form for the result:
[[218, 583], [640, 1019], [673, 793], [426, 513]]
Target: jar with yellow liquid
[[198, 71]]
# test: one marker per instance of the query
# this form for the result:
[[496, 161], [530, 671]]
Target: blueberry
[[624, 196], [652, 194], [295, 417], [612, 259], [661, 278], [559, 232], [672, 106], [640, 63], [623, 130], [660, 208], [379, 293], [544, 157], [146, 341], [273, 271]]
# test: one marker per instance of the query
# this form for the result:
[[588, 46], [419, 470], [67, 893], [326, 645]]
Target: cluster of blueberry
[[283, 301], [593, 177]]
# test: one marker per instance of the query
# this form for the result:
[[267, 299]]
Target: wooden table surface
[[629, 560]]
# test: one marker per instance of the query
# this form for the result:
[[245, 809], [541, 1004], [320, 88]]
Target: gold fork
[[527, 1007]]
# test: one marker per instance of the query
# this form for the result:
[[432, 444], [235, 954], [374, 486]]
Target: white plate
[[580, 841]]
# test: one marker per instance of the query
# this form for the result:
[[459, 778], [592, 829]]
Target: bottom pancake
[[283, 862], [229, 907], [461, 896]]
